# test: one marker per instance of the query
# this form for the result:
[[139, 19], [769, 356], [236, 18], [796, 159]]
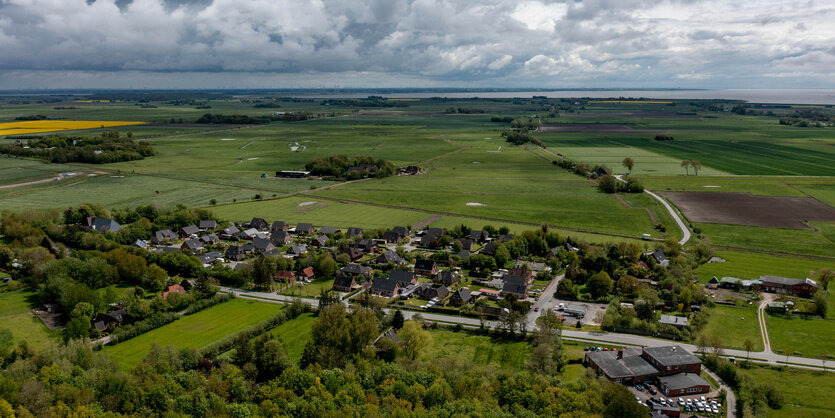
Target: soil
[[599, 128], [751, 210]]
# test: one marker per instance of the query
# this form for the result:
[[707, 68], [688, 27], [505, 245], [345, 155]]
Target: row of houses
[[805, 288]]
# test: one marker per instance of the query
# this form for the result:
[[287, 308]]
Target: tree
[[686, 165], [414, 338], [547, 356], [749, 346], [599, 285], [696, 166], [608, 184], [397, 320], [156, 278], [821, 303], [825, 276], [628, 163], [327, 298], [263, 272]]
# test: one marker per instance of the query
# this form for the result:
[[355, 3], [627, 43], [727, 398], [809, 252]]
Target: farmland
[[459, 349], [801, 336], [16, 316], [747, 265], [733, 326], [806, 393], [194, 331], [294, 334], [43, 126]]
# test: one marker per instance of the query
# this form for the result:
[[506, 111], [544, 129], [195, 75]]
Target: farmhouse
[[479, 236], [466, 244], [798, 287], [264, 246], [428, 292], [249, 233], [110, 320], [353, 253], [683, 384], [193, 245], [307, 274], [355, 269], [330, 230], [515, 285], [426, 267], [405, 278], [230, 232], [285, 276], [354, 232], [289, 174], [188, 231], [210, 239], [660, 258], [366, 245], [162, 236], [320, 241]]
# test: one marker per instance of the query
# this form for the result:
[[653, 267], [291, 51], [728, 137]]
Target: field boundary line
[[757, 250]]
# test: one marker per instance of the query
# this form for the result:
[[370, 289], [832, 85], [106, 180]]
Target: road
[[761, 320], [589, 337], [59, 177], [685, 232]]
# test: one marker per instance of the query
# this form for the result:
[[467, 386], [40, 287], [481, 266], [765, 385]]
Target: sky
[[226, 44]]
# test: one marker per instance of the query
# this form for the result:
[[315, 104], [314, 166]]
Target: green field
[[802, 337], [309, 290], [748, 265], [806, 394], [461, 349], [16, 316], [194, 331], [733, 326], [294, 334]]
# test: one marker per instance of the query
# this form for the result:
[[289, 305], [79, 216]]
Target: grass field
[[806, 394], [802, 337], [463, 348], [42, 126], [194, 331], [295, 334], [309, 290], [748, 265], [16, 316], [733, 326]]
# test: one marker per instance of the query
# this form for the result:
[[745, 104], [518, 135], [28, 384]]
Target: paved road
[[684, 230], [545, 301], [761, 321]]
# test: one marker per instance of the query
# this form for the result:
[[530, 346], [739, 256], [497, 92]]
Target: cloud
[[492, 43]]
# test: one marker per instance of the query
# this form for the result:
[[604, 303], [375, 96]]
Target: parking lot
[[591, 316], [692, 405]]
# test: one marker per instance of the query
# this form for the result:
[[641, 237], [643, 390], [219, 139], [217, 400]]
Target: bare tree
[[696, 166], [686, 165], [749, 345]]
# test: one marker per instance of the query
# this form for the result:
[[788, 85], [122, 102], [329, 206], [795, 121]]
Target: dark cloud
[[572, 43]]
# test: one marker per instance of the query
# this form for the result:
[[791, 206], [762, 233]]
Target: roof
[[785, 281], [659, 255], [384, 284], [190, 229], [193, 244], [632, 364], [279, 225], [251, 232], [515, 288], [344, 281], [174, 288], [329, 230], [208, 224], [401, 276], [445, 276], [401, 230], [489, 291], [732, 280], [674, 320], [285, 274], [682, 381], [304, 226], [355, 268], [464, 294], [514, 279], [104, 225], [671, 355], [354, 232], [231, 230], [424, 264], [390, 257], [307, 272]]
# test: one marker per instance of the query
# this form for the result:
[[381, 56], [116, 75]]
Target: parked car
[[652, 390]]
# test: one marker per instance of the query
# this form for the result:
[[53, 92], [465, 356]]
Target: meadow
[[44, 126], [806, 394], [16, 316], [807, 337], [748, 265], [194, 331], [733, 326], [295, 334], [462, 349]]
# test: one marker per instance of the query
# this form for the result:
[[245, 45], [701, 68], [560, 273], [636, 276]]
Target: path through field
[[59, 177]]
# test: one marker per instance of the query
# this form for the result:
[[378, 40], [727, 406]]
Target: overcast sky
[[416, 43]]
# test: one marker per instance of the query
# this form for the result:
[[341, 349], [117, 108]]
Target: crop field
[[42, 126], [748, 265], [15, 170], [819, 241], [733, 326], [194, 331], [801, 336], [16, 316], [461, 349], [806, 394], [294, 334]]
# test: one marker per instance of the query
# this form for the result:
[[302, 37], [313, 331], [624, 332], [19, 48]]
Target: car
[[561, 306], [715, 410], [637, 398], [652, 390], [702, 398], [639, 387], [681, 401], [536, 309], [701, 408], [586, 349]]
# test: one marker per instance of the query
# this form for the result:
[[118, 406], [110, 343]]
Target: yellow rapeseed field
[[630, 101], [40, 126]]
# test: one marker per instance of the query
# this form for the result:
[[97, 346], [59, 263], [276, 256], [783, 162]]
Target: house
[[305, 228], [426, 267], [353, 253], [729, 283], [193, 245], [355, 269], [524, 273], [210, 239], [101, 225], [140, 243], [410, 170], [296, 251], [391, 237], [490, 293], [676, 321], [285, 276], [403, 277], [188, 231], [264, 246], [533, 266], [515, 285], [672, 359], [320, 241], [207, 224], [401, 230], [354, 232], [279, 226], [429, 240], [111, 319], [427, 291], [461, 297], [385, 288], [207, 260], [600, 171], [805, 288], [258, 223], [463, 254], [390, 257], [683, 384], [466, 244], [230, 232], [235, 253], [660, 258], [345, 283], [307, 274], [281, 237], [329, 230], [445, 277], [163, 236], [174, 288], [478, 236], [249, 233], [366, 245], [489, 248]]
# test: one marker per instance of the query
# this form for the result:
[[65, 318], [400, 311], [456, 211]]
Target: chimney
[[620, 354]]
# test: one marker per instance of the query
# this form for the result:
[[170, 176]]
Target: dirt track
[[751, 210], [599, 128]]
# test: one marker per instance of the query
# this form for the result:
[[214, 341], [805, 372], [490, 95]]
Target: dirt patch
[[636, 114], [306, 204], [311, 207], [52, 320], [751, 210], [599, 128], [426, 222], [620, 199]]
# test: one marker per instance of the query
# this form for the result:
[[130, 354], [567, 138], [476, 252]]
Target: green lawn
[[802, 337], [748, 265], [733, 326], [464, 348], [16, 316], [194, 331], [295, 334], [806, 394], [311, 289]]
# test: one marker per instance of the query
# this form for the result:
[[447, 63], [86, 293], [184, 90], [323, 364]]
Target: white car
[[702, 398]]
